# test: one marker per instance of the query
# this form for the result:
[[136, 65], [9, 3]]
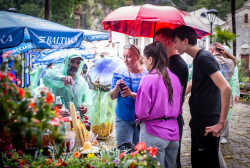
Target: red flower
[[49, 98], [32, 104], [22, 162], [135, 153], [6, 54], [57, 111], [20, 153], [64, 164], [55, 121], [121, 155], [140, 146], [21, 93], [1, 75], [132, 165], [11, 76], [152, 151]]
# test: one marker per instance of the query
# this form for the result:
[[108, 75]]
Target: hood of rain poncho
[[62, 71]]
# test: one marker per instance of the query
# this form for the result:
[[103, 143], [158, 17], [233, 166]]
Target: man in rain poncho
[[67, 82]]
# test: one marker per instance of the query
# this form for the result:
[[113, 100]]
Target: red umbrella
[[144, 20]]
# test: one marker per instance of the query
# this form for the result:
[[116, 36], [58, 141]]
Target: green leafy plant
[[109, 157], [98, 12], [242, 70], [22, 117], [223, 36], [13, 158]]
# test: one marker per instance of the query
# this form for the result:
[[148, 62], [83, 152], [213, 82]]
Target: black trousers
[[178, 159], [204, 149]]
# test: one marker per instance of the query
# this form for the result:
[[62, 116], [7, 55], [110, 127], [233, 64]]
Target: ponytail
[[159, 55]]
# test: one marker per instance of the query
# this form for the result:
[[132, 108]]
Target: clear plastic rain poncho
[[81, 94], [34, 76], [102, 113]]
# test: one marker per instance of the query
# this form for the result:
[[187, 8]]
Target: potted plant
[[23, 118]]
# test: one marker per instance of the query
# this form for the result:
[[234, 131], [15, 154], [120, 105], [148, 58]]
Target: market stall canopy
[[145, 20], [23, 47], [92, 35], [43, 33], [58, 56]]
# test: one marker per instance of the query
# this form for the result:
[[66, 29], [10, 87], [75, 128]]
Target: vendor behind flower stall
[[67, 82]]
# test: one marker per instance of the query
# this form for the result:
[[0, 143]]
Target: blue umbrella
[[43, 33], [94, 35], [102, 71], [59, 55], [23, 47]]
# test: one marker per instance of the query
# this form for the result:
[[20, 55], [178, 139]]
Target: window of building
[[203, 14], [246, 18]]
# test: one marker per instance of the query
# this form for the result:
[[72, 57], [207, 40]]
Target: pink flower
[[20, 153], [55, 121], [8, 147], [6, 54], [9, 155]]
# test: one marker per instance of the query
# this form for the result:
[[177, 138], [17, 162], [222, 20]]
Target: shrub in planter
[[23, 118]]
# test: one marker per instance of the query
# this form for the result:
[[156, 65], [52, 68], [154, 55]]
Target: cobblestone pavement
[[236, 152]]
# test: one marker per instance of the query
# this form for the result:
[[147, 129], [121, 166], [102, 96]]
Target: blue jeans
[[166, 150], [126, 131]]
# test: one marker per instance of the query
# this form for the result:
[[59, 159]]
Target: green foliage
[[242, 70], [41, 14], [166, 3], [88, 3], [23, 116], [223, 36], [89, 21], [30, 9], [62, 12], [78, 1], [176, 2], [113, 4], [98, 12], [16, 158], [127, 3], [6, 4], [107, 158], [139, 2]]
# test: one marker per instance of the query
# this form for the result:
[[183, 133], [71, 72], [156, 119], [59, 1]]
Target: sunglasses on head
[[130, 46]]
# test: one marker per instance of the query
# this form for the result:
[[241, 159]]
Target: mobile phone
[[121, 86]]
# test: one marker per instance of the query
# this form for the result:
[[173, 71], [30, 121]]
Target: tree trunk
[[46, 10], [233, 25], [77, 13]]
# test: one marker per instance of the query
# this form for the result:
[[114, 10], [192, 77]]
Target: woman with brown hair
[[129, 76], [158, 105]]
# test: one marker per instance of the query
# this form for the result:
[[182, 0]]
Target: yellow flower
[[90, 155], [69, 159]]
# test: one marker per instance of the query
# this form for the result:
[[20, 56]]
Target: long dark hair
[[159, 55]]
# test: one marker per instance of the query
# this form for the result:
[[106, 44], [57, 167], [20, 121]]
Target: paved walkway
[[236, 152]]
